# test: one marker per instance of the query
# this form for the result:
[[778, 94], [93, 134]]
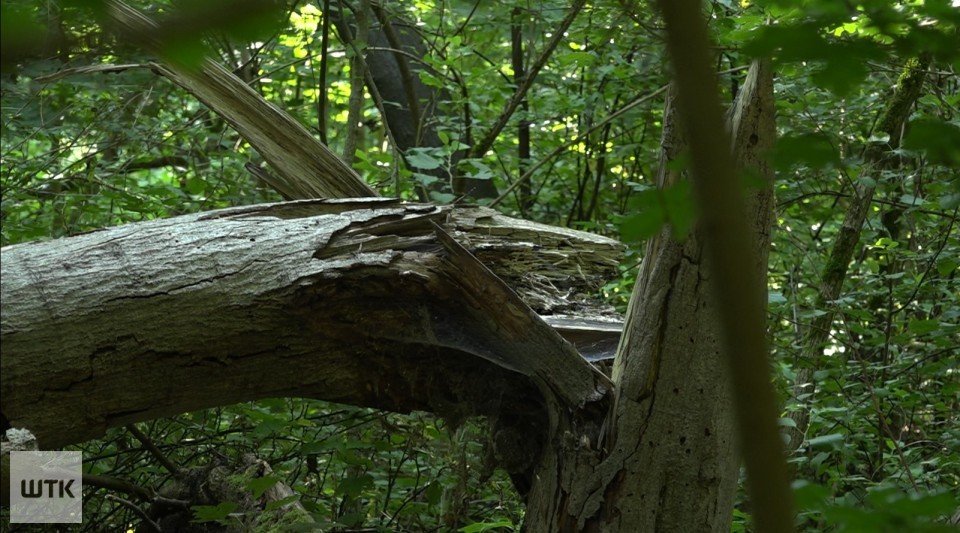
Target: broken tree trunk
[[662, 458], [366, 302], [392, 53]]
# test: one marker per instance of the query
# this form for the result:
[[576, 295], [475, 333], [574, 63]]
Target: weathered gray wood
[[663, 459], [358, 301], [305, 167]]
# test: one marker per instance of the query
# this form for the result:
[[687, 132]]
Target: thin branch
[[324, 56], [154, 451], [579, 138], [90, 69], [358, 72], [891, 203], [487, 142], [932, 262], [137, 510], [372, 87], [119, 485]]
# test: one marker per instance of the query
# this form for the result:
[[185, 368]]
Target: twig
[[518, 96], [560, 149], [154, 451]]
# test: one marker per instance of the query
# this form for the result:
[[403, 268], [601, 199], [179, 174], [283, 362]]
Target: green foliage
[[487, 526], [346, 466], [881, 509], [938, 139], [879, 453], [654, 207], [214, 513]]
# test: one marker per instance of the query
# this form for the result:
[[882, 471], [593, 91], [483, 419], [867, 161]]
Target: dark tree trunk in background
[[394, 59]]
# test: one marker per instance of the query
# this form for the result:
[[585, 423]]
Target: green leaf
[[841, 74], [578, 58], [476, 169], [655, 207], [949, 201], [196, 185], [910, 199], [930, 505], [442, 197], [642, 225], [354, 485], [211, 513], [434, 493], [946, 265], [485, 526], [680, 211], [921, 327], [855, 519], [422, 160], [940, 140], [786, 422], [811, 149], [789, 43], [425, 179], [186, 50], [277, 504], [261, 484], [775, 297], [819, 459], [809, 495], [830, 440]]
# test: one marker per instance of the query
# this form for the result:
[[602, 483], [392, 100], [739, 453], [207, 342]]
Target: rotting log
[[367, 302]]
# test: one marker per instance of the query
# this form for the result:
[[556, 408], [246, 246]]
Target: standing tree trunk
[[877, 157], [663, 459], [393, 54]]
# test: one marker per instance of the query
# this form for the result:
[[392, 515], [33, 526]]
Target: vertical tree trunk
[[664, 458], [411, 109], [876, 156]]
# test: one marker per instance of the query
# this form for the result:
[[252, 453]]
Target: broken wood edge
[[430, 374]]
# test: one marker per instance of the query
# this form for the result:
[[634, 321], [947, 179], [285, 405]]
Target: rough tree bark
[[362, 302], [367, 303], [663, 458], [730, 233]]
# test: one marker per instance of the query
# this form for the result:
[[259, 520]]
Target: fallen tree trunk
[[366, 302]]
